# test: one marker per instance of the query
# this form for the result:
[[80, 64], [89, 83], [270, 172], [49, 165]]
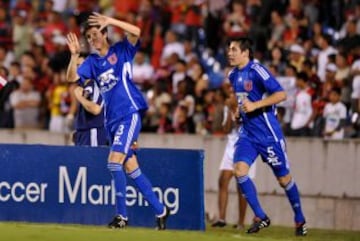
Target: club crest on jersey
[[248, 85], [112, 59]]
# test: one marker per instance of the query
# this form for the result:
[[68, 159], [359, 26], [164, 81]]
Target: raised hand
[[97, 19], [73, 43]]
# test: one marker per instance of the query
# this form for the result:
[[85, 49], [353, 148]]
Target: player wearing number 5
[[111, 68], [257, 93]]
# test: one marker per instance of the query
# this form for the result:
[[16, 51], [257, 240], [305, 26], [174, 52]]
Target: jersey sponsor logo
[[248, 85], [107, 80], [112, 59]]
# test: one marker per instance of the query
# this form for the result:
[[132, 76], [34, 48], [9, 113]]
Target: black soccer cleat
[[161, 221], [118, 222], [301, 229], [259, 224], [219, 224]]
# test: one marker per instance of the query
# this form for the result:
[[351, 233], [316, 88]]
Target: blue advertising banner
[[58, 184]]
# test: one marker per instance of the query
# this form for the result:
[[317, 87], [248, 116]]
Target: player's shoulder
[[231, 72], [260, 70]]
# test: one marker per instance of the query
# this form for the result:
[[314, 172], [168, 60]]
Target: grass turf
[[53, 232]]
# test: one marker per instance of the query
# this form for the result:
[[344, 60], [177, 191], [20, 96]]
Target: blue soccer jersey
[[254, 82], [113, 75], [85, 120]]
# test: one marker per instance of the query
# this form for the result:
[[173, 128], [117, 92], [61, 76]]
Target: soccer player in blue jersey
[[257, 92], [89, 117], [111, 68]]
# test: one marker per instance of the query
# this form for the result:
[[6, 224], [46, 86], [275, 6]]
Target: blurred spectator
[[157, 47], [181, 123], [301, 118], [142, 71], [324, 42], [288, 82], [236, 23], [355, 94], [198, 75], [314, 82], [165, 121], [22, 33], [277, 60], [335, 116], [6, 110], [278, 27], [25, 102], [296, 57], [5, 30], [217, 127], [59, 103], [6, 56], [329, 83], [193, 20], [352, 39], [172, 45], [342, 78]]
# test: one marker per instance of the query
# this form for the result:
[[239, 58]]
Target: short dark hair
[[86, 26], [303, 76], [336, 90], [245, 43]]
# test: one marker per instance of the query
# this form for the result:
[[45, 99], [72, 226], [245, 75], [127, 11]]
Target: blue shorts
[[273, 153], [124, 134], [92, 137]]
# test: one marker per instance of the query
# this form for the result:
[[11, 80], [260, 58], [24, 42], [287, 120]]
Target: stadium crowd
[[311, 46]]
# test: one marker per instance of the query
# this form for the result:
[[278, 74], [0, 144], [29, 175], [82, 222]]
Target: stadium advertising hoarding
[[59, 184]]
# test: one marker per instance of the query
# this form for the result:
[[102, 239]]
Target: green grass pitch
[[53, 232]]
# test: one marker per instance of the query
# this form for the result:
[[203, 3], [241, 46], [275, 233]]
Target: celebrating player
[[111, 67]]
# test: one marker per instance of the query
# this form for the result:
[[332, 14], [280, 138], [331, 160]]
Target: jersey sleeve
[[129, 49], [266, 78], [84, 71]]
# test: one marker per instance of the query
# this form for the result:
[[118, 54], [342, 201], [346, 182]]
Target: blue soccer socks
[[119, 178], [294, 199], [249, 191], [145, 187]]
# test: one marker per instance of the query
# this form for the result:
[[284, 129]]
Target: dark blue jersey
[[113, 75], [84, 120], [255, 82]]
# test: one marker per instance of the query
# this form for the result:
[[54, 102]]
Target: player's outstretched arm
[[97, 19], [74, 47]]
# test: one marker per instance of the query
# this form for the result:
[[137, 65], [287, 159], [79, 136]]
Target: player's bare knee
[[241, 169], [116, 157], [131, 164], [285, 180]]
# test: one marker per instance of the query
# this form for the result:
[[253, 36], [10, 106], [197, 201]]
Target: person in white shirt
[[322, 60], [355, 94], [172, 45], [25, 102], [142, 70], [334, 116], [301, 118]]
